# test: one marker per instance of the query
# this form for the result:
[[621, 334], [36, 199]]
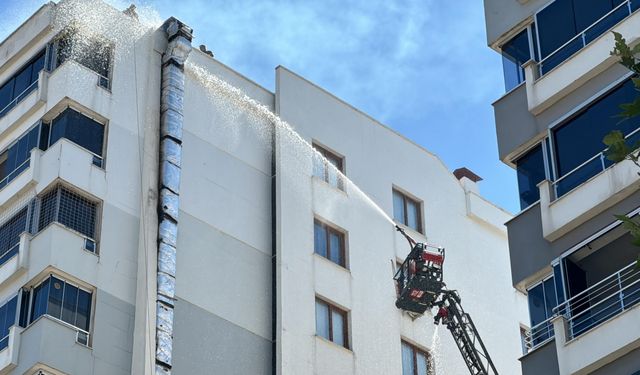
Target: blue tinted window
[[56, 289], [580, 138], [40, 300], [556, 25], [83, 315], [79, 129], [21, 84], [530, 170], [7, 320], [515, 53], [320, 239]]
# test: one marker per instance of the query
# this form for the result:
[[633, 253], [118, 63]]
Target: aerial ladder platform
[[420, 287]]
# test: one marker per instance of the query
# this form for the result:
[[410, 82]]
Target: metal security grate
[[69, 209]]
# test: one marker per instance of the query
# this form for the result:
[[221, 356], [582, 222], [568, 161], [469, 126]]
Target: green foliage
[[618, 147]]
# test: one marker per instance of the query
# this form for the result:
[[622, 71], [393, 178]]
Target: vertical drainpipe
[[171, 119]]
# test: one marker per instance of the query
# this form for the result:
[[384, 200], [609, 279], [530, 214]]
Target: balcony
[[10, 350], [607, 309], [580, 59]]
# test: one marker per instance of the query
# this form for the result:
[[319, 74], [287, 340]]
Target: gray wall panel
[[207, 344], [530, 252], [543, 360], [626, 365]]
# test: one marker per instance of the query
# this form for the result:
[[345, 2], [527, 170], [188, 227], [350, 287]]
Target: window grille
[[13, 222], [68, 208]]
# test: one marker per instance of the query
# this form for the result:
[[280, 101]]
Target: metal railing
[[602, 301], [19, 98], [538, 335], [590, 168], [593, 31]]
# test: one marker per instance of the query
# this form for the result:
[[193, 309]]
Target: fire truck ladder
[[466, 335]]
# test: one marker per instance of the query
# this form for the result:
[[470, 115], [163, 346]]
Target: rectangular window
[[542, 300], [61, 300], [531, 171], [327, 166], [21, 84], [329, 243], [79, 129], [15, 158], [91, 53], [515, 52], [331, 323], [69, 209], [407, 211], [578, 141], [414, 360], [10, 232], [7, 320]]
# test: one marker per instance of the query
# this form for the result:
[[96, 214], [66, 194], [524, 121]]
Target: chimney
[[468, 179]]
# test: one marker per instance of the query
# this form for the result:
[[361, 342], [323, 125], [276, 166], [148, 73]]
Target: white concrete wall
[[378, 159]]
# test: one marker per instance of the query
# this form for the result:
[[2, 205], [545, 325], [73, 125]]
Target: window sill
[[333, 344]]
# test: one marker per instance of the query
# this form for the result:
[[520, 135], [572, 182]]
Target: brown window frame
[[331, 308], [328, 229], [418, 204], [330, 155], [414, 351]]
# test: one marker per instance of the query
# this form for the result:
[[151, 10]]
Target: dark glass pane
[[12, 306], [580, 138], [338, 326], [550, 296], [559, 284], [40, 300], [561, 55], [530, 171], [38, 65], [4, 330], [33, 141], [589, 11], [23, 81], [580, 175], [335, 243], [44, 136], [322, 320], [10, 235], [515, 53], [408, 367], [79, 129], [70, 304], [56, 290], [398, 207], [24, 308], [83, 315], [320, 239], [556, 25], [6, 96], [537, 313]]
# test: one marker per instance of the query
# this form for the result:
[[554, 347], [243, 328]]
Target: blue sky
[[421, 67]]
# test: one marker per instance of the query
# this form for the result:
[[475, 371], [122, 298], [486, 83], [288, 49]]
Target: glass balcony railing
[[588, 35], [590, 168]]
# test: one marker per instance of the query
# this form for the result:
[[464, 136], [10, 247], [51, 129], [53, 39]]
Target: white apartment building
[[151, 221], [569, 254]]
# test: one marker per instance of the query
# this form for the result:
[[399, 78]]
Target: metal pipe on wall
[[179, 38]]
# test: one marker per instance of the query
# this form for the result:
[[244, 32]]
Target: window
[[542, 300], [515, 52], [89, 52], [71, 210], [79, 129], [530, 171], [578, 140], [414, 360], [591, 18], [331, 323], [16, 158], [21, 84], [10, 232], [329, 243], [407, 211], [327, 167], [61, 300], [7, 320]]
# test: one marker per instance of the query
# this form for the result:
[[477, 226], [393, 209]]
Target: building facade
[[569, 253], [261, 260]]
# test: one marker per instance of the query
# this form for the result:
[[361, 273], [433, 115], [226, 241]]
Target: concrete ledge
[[587, 200], [602, 344]]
